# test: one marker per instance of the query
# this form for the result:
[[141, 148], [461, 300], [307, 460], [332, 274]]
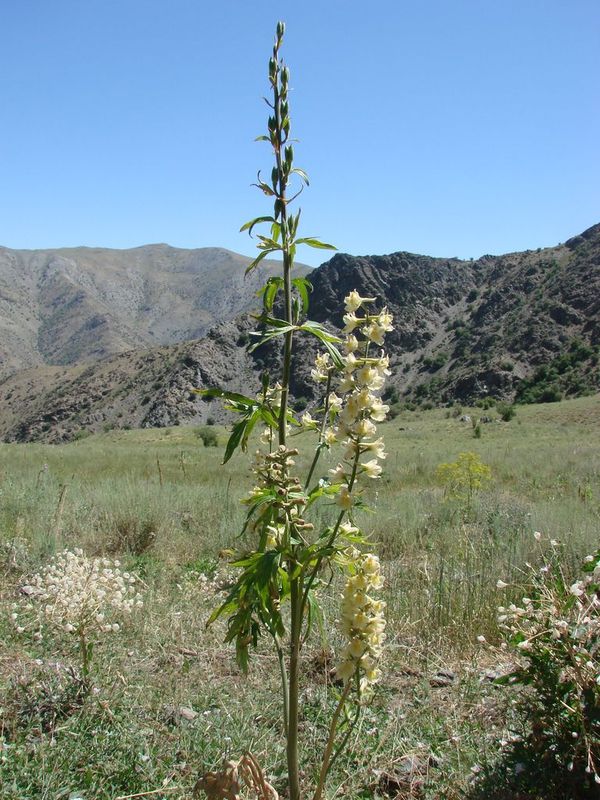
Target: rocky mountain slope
[[523, 325], [64, 306], [501, 325]]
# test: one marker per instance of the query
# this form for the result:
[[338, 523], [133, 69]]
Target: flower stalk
[[289, 555]]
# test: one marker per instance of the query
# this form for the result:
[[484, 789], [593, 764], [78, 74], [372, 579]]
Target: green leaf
[[303, 287], [310, 326], [321, 491], [250, 423], [257, 261], [312, 242], [280, 329], [302, 174], [269, 417], [265, 188], [266, 243], [233, 397], [248, 226], [315, 614], [328, 339], [269, 292], [334, 353], [234, 440]]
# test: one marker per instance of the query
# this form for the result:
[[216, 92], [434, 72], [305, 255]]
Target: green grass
[[162, 503]]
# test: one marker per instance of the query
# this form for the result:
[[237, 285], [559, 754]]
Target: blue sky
[[452, 128]]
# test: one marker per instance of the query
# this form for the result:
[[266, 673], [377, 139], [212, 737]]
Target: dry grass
[[418, 738]]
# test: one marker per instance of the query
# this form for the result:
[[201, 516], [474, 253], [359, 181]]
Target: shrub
[[507, 411], [391, 395], [463, 477], [208, 435], [436, 362], [554, 630]]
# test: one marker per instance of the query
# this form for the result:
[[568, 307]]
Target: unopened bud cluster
[[77, 594], [362, 620], [273, 472]]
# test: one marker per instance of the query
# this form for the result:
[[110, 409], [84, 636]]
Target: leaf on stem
[[257, 261], [312, 242], [248, 226], [303, 286]]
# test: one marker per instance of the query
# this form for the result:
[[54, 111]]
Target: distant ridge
[[521, 325], [67, 305]]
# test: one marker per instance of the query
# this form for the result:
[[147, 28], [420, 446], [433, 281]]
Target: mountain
[[522, 325], [60, 307]]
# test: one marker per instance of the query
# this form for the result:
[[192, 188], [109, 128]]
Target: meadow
[[169, 701]]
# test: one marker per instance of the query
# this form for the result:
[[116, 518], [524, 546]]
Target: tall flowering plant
[[276, 591]]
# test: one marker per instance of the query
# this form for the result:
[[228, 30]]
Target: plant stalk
[[330, 742], [294, 674]]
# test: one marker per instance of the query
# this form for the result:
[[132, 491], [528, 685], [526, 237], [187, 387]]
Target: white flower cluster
[[558, 617], [556, 628], [362, 620], [359, 407], [77, 594]]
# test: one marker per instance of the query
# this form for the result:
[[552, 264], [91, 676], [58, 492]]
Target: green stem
[[294, 675], [291, 712], [85, 658], [334, 532], [325, 764], [284, 685], [287, 266], [282, 670], [346, 737], [321, 433]]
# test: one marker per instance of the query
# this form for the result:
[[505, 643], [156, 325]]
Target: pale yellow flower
[[374, 332], [379, 410], [354, 301], [350, 343], [371, 468], [364, 427], [344, 498], [351, 321]]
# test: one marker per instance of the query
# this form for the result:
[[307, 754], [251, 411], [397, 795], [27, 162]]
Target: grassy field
[[170, 702]]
